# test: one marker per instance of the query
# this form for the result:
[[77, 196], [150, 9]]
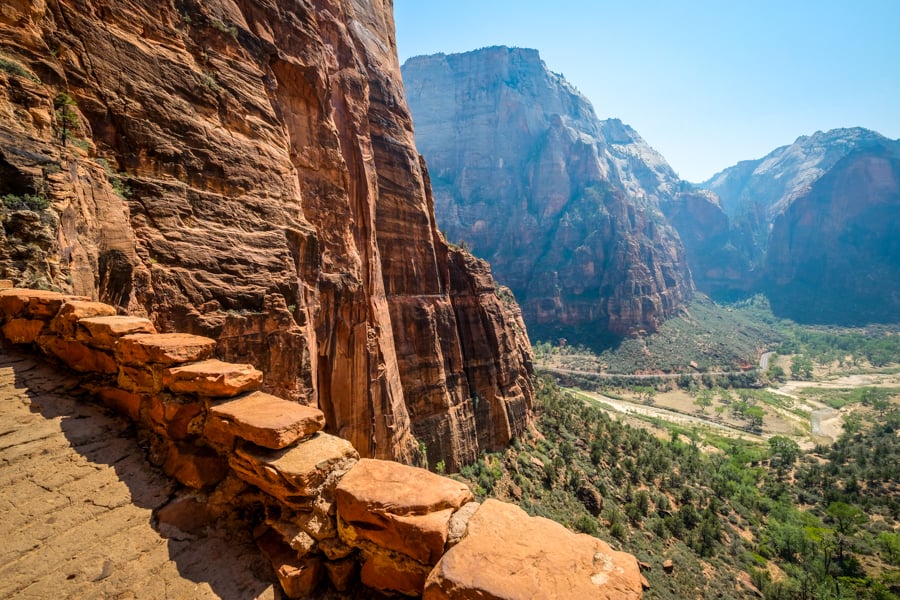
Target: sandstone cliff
[[566, 207], [246, 170], [812, 224], [834, 252]]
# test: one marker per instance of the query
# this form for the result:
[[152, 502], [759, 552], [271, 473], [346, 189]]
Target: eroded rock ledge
[[246, 171], [323, 513]]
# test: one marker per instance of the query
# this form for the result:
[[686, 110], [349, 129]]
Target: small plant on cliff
[[33, 202], [14, 68], [66, 115]]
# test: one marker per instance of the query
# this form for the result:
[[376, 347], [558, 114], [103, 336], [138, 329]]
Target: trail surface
[[76, 505]]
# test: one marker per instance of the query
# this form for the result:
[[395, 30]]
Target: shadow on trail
[[228, 561]]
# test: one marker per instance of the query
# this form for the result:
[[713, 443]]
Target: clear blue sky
[[705, 82]]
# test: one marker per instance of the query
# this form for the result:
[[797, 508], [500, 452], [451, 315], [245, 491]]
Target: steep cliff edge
[[246, 170], [565, 207]]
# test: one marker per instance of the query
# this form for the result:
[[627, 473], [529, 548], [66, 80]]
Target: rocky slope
[[566, 207], [246, 170]]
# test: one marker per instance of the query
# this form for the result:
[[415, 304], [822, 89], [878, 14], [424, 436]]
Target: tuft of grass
[[33, 202], [14, 68]]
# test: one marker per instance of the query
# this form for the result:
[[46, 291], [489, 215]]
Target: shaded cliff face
[[246, 170], [834, 252], [753, 193], [564, 206], [813, 223]]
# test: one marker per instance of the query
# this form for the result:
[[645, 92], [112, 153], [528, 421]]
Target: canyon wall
[[245, 170], [565, 207], [814, 225]]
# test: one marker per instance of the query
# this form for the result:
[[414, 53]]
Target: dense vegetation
[[821, 525]]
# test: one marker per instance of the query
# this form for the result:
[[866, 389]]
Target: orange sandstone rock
[[78, 356], [163, 348], [213, 378], [66, 320], [263, 419], [34, 304], [297, 474], [104, 332], [121, 400], [298, 576], [22, 331], [195, 466], [399, 508], [508, 554]]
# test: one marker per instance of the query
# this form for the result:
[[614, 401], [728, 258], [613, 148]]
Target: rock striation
[[246, 172], [567, 208]]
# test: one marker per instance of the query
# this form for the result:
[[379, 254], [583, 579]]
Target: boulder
[[23, 331], [78, 356], [297, 474], [399, 508], [66, 320], [122, 401], [195, 466], [508, 554], [33, 304], [104, 332], [263, 419], [298, 576], [213, 378], [163, 348]]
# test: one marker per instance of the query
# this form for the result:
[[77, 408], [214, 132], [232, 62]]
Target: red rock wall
[[246, 170]]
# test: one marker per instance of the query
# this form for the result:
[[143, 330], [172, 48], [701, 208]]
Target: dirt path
[[626, 407], [76, 502]]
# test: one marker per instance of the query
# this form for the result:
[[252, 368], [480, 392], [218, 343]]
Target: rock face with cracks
[[245, 171], [565, 206]]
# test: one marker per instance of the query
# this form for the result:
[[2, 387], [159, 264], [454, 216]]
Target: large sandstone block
[[195, 466], [297, 474], [23, 331], [32, 304], [175, 417], [400, 508], [122, 401], [390, 572], [141, 379], [163, 348], [78, 356], [298, 576], [508, 554], [66, 320], [105, 331], [213, 378], [263, 419]]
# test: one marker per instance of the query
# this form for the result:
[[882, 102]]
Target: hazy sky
[[705, 82]]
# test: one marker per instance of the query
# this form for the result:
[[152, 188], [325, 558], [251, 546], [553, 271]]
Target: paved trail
[[76, 502]]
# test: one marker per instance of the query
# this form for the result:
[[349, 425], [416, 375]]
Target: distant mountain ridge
[[566, 207], [781, 175], [593, 230]]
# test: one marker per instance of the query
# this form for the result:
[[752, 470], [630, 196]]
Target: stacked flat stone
[[391, 527]]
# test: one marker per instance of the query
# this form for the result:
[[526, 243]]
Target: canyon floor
[[77, 500]]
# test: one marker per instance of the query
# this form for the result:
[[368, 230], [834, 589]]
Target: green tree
[[784, 449], [65, 114], [847, 519], [801, 367]]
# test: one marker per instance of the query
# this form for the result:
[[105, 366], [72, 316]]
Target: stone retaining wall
[[322, 513]]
